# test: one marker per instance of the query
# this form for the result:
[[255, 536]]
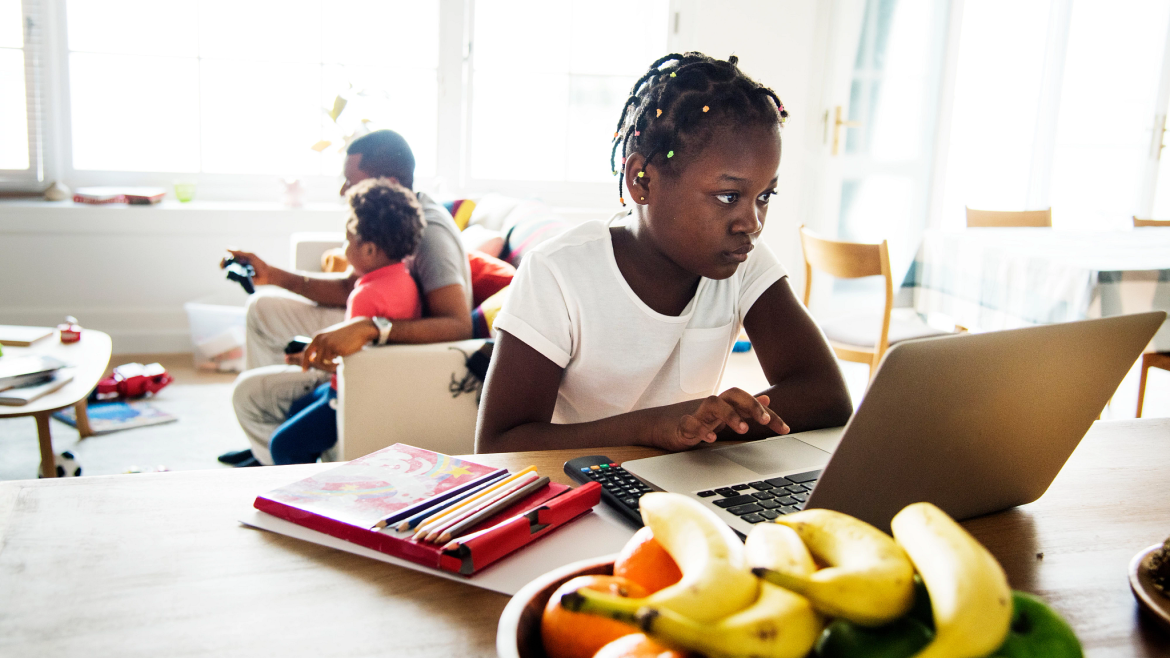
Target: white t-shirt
[[570, 302]]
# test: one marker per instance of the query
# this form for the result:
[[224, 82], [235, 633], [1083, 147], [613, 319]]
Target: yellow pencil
[[486, 501], [437, 519]]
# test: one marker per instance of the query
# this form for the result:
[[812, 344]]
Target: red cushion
[[488, 275]]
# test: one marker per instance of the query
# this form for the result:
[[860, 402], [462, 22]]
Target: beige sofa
[[397, 393]]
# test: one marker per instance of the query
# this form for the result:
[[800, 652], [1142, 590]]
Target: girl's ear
[[637, 186], [369, 249]]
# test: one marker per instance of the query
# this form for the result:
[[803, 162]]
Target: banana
[[868, 580], [969, 594], [779, 548], [779, 624], [715, 579]]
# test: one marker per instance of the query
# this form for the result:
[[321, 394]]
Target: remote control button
[[585, 469], [595, 467], [760, 486], [725, 491], [630, 502], [733, 501], [779, 482], [753, 518], [740, 487], [801, 478], [603, 467], [705, 494]]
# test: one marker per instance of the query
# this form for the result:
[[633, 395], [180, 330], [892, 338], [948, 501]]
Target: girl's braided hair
[[678, 103]]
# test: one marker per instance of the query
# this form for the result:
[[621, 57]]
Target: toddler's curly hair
[[387, 214]]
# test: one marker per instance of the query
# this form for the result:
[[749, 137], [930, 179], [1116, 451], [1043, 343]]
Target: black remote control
[[619, 489], [241, 273]]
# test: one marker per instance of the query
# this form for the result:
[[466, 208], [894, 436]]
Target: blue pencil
[[413, 522]]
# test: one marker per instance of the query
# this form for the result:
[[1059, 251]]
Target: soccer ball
[[67, 466]]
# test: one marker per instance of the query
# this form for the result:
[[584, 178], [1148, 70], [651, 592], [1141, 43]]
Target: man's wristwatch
[[383, 326]]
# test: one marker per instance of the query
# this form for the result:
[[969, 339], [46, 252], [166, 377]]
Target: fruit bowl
[[518, 635]]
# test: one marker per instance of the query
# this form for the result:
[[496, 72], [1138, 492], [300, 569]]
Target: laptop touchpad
[[775, 456]]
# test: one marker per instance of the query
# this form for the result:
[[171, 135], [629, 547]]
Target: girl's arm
[[521, 392], [807, 389]]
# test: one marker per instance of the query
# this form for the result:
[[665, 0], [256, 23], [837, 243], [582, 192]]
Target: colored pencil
[[434, 531], [418, 518], [437, 519], [500, 505]]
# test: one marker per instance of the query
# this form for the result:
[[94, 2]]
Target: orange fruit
[[637, 646], [644, 561], [569, 634]]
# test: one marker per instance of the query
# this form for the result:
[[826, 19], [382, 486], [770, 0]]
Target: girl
[[617, 334], [385, 227]]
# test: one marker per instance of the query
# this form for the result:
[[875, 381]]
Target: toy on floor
[[67, 466], [131, 380]]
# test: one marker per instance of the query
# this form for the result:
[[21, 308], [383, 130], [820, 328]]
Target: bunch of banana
[[715, 578], [869, 579], [969, 594], [718, 608]]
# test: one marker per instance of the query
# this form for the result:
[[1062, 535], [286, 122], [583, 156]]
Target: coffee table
[[90, 356]]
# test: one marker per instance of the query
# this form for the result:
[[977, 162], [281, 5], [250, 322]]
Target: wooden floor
[[207, 426]]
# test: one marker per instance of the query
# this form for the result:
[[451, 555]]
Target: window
[[1057, 107], [16, 157], [247, 86], [544, 106], [516, 97]]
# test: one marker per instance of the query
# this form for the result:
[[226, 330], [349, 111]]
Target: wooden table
[[90, 356], [155, 564]]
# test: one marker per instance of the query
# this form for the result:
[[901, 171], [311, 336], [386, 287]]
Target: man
[[264, 394]]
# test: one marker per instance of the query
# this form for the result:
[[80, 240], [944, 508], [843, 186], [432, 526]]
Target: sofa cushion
[[484, 315], [488, 275]]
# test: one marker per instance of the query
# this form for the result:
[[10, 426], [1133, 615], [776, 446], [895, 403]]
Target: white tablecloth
[[1002, 278]]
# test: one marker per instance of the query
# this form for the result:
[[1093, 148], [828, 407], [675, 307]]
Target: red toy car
[[132, 380]]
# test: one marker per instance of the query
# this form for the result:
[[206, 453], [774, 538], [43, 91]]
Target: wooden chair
[[1151, 359], [1150, 222], [1006, 218], [863, 337]]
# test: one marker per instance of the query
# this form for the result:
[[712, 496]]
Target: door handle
[[837, 123]]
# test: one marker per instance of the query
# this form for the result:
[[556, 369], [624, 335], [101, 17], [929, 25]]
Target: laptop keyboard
[[764, 500]]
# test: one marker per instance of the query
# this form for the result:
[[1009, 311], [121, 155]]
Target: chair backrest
[[1006, 218], [1150, 222], [850, 260]]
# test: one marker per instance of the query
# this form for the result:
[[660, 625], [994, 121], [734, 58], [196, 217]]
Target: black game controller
[[241, 273]]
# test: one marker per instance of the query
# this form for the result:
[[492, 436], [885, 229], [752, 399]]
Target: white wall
[[127, 270], [778, 45]]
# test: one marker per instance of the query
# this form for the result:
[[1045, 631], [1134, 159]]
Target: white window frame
[[52, 127], [17, 180]]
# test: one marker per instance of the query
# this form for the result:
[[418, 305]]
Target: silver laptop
[[974, 423]]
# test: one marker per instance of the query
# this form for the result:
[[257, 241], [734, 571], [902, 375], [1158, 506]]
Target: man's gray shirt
[[441, 260]]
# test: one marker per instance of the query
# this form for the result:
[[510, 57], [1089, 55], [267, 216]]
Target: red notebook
[[346, 502]]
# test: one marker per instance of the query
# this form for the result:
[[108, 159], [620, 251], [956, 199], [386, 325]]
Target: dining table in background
[[988, 279]]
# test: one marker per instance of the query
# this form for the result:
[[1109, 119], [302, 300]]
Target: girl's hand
[[734, 408], [294, 359]]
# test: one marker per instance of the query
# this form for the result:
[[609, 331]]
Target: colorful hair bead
[[637, 133], [659, 112], [705, 108], [672, 74], [641, 174], [670, 154]]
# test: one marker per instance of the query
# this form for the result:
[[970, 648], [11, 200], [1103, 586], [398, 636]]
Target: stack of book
[[432, 509], [26, 378]]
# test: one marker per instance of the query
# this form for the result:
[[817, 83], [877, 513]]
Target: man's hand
[[341, 339], [733, 408], [262, 276]]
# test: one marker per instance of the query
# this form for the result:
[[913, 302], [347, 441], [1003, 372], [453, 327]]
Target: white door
[[879, 108]]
